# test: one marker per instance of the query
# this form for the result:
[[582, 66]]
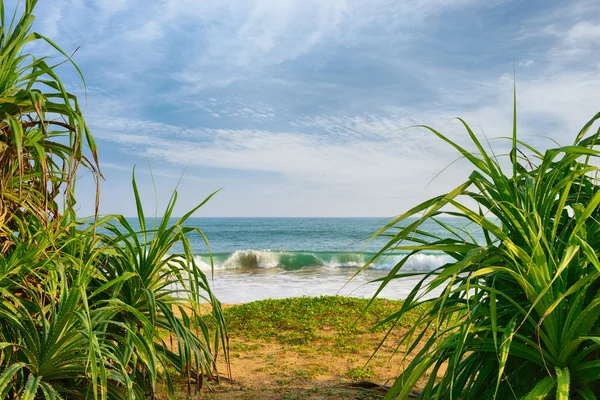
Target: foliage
[[83, 311], [360, 373], [517, 316], [42, 132], [302, 319]]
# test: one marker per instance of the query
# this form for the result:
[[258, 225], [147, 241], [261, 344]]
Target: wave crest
[[293, 260]]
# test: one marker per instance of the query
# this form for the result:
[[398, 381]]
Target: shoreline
[[239, 287]]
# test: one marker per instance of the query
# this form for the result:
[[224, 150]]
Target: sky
[[300, 107]]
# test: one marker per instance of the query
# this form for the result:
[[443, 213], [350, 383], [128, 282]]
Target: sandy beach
[[275, 355]]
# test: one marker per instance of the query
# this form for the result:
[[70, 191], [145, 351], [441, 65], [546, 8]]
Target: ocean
[[257, 258]]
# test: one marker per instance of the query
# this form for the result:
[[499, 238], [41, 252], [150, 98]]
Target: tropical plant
[[145, 289], [517, 314], [42, 131], [88, 308]]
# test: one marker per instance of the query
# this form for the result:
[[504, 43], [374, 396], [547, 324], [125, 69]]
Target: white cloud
[[354, 158], [50, 22], [111, 7], [169, 83], [149, 31], [223, 41], [582, 39], [118, 167], [527, 63], [255, 35], [584, 31]]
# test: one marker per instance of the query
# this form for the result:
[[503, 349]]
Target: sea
[[258, 258]]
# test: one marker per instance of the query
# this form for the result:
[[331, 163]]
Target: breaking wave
[[294, 260]]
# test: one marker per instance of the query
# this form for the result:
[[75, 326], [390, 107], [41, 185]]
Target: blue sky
[[294, 107]]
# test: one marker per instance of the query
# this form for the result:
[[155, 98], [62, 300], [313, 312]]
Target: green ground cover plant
[[271, 317], [306, 320], [517, 317], [83, 304]]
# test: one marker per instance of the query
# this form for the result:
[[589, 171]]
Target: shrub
[[518, 314], [85, 313]]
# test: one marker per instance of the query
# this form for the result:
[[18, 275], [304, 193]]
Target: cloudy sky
[[296, 107]]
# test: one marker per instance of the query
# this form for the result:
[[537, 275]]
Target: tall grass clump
[[88, 308], [517, 317]]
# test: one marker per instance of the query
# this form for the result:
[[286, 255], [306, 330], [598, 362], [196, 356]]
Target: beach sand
[[325, 364]]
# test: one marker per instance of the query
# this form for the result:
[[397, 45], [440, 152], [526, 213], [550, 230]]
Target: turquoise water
[[294, 243], [257, 258]]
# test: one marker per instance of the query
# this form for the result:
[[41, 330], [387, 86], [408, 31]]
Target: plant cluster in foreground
[[518, 317], [83, 304]]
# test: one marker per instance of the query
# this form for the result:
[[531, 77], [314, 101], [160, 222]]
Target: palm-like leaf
[[84, 315], [37, 117], [150, 287], [518, 314]]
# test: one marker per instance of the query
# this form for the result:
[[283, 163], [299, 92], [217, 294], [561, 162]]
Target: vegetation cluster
[[83, 303], [517, 317]]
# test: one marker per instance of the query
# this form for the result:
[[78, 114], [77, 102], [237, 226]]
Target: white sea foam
[[241, 259], [269, 259], [416, 262]]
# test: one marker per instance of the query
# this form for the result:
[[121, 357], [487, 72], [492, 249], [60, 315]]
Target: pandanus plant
[[517, 314], [88, 308], [43, 135]]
